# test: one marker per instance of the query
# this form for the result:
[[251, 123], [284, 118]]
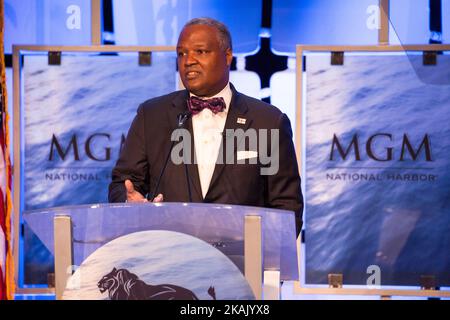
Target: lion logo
[[121, 284]]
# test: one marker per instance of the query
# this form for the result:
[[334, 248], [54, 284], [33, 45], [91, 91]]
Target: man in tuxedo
[[210, 111]]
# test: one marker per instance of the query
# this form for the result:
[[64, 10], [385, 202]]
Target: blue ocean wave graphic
[[394, 214], [84, 96]]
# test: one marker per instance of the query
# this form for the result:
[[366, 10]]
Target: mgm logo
[[96, 147], [381, 147]]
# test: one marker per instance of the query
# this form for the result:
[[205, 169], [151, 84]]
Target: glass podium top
[[220, 225]]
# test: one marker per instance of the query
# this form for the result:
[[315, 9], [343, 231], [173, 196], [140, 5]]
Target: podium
[[261, 242]]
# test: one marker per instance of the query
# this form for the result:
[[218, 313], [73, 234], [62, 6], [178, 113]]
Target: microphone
[[181, 120]]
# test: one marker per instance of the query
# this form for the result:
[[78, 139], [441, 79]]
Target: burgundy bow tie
[[195, 105]]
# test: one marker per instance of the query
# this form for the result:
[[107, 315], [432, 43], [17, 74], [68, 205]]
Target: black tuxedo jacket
[[148, 143]]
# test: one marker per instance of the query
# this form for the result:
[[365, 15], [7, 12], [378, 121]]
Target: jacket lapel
[[236, 119], [180, 105]]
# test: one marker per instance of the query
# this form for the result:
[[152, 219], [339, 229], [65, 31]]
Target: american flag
[[6, 270], [3, 214]]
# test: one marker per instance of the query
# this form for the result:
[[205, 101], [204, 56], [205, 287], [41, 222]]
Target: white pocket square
[[241, 155]]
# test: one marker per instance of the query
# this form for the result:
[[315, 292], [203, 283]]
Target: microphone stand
[[182, 118]]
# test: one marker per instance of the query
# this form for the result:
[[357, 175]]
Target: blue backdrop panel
[[410, 21], [322, 22], [158, 22], [446, 21], [50, 22], [377, 170], [73, 130]]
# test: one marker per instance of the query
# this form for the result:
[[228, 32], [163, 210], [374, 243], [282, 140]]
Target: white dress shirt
[[208, 128]]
